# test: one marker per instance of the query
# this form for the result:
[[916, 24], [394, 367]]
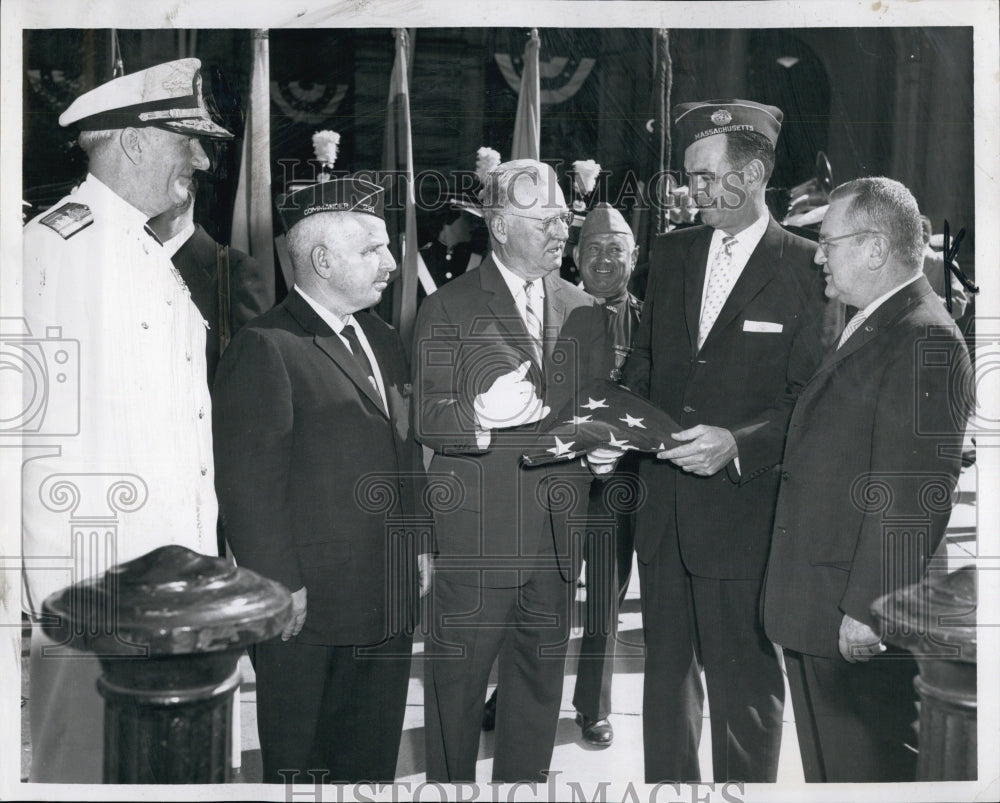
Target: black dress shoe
[[490, 712], [597, 732]]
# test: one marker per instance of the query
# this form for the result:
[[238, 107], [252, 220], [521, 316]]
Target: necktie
[[719, 284], [852, 326], [533, 320], [359, 355]]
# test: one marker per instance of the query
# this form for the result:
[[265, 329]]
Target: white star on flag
[[579, 419], [618, 444], [561, 448], [633, 422], [593, 404]]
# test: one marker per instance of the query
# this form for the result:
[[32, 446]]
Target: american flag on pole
[[604, 415], [528, 118], [252, 230], [398, 156]]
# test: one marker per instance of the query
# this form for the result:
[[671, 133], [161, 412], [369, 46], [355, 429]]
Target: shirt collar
[[328, 317], [746, 240], [95, 193], [878, 302], [516, 283], [173, 245]]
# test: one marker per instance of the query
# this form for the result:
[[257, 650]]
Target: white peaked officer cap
[[166, 96]]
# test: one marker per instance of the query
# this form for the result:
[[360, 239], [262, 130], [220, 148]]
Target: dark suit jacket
[[313, 476], [873, 452], [468, 333], [251, 288], [743, 380]]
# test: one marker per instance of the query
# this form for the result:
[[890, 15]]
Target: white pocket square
[[762, 326]]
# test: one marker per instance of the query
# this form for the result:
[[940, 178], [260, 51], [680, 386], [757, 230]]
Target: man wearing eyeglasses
[[496, 351], [875, 438], [730, 332]]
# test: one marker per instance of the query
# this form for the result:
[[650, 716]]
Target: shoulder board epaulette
[[68, 219]]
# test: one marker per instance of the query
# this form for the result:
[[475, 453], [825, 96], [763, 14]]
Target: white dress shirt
[[173, 245], [516, 284], [746, 241], [338, 325]]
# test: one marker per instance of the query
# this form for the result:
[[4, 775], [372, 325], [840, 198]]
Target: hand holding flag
[[602, 422], [705, 450]]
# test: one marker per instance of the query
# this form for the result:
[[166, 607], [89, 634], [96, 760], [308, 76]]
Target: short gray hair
[[311, 231], [91, 142], [498, 190], [885, 205]]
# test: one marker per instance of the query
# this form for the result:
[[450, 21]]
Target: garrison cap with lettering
[[166, 96], [604, 219], [349, 194], [705, 118]]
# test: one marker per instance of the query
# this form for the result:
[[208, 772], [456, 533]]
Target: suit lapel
[[376, 335], [505, 314], [555, 314], [759, 270], [695, 265], [883, 318], [330, 344]]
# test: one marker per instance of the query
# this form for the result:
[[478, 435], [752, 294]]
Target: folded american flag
[[604, 415]]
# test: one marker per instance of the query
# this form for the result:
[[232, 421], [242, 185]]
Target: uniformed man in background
[[606, 255]]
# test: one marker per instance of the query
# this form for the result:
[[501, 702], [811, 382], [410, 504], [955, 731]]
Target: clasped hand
[[857, 641], [510, 402]]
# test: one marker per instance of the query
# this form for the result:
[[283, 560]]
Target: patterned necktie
[[719, 284], [533, 320], [360, 356], [852, 326]]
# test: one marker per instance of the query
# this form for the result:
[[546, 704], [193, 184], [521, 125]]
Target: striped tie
[[720, 283], [852, 326], [533, 320]]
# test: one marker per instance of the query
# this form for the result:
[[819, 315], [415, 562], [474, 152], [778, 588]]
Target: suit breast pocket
[[767, 348]]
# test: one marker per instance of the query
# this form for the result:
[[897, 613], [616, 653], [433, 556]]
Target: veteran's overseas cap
[[166, 96], [349, 194], [604, 219], [706, 118]]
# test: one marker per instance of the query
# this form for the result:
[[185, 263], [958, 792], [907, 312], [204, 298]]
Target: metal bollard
[[935, 620], [168, 628]]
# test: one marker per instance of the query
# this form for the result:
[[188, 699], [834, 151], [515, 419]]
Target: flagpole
[[528, 118], [251, 228], [665, 78], [399, 158]]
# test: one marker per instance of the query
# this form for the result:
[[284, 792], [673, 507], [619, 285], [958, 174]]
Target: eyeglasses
[[549, 223], [825, 242]]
